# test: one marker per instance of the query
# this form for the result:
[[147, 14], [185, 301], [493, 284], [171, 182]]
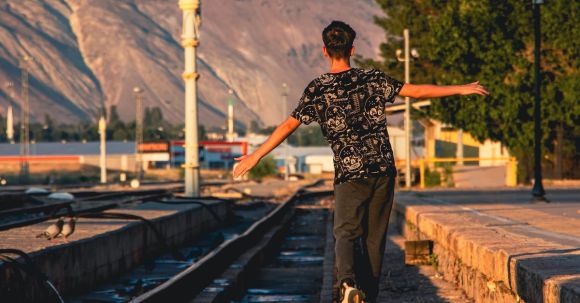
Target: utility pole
[[103, 148], [408, 125], [285, 106], [138, 92], [408, 129], [459, 153], [190, 41], [10, 114], [538, 191], [230, 135], [24, 119]]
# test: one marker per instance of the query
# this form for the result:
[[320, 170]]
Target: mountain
[[92, 53]]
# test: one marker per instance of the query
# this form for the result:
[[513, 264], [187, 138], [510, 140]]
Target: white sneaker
[[350, 294]]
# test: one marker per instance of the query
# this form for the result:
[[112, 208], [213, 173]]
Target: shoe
[[349, 293]]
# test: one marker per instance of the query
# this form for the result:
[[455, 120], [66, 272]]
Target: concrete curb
[[493, 259], [119, 246]]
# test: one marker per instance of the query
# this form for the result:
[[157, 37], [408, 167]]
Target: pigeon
[[68, 228], [53, 230]]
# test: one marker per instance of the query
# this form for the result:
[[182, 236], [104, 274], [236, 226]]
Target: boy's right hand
[[246, 163]]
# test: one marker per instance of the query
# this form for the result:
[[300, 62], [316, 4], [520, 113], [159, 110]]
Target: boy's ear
[[325, 52], [352, 51]]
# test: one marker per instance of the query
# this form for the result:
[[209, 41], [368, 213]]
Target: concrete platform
[[101, 248], [496, 245]]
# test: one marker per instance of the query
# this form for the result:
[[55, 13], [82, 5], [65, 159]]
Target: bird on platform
[[68, 229], [53, 230]]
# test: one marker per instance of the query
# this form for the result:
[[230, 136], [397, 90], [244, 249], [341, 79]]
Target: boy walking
[[349, 104]]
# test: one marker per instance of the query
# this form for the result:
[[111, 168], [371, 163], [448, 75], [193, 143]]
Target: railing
[[511, 167]]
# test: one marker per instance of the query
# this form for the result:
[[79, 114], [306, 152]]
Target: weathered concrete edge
[[66, 265], [468, 270], [327, 289]]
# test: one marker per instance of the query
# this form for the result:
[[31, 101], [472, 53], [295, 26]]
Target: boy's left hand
[[246, 163], [473, 88]]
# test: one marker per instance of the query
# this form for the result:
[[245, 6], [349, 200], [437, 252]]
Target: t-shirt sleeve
[[305, 111], [390, 87]]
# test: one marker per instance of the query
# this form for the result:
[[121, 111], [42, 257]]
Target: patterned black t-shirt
[[350, 108]]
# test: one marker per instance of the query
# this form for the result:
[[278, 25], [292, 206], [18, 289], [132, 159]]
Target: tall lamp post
[[24, 118], [190, 41], [285, 106], [408, 125], [230, 135], [103, 148], [538, 191], [9, 117], [138, 92]]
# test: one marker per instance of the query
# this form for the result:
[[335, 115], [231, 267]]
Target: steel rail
[[99, 208], [195, 278]]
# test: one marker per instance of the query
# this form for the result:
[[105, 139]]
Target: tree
[[113, 115], [2, 129], [492, 41]]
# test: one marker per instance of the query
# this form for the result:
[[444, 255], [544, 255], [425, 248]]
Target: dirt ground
[[401, 283]]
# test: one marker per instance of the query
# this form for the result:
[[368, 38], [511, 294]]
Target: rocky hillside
[[91, 53]]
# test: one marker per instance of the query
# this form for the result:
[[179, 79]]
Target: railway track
[[279, 258], [19, 209], [45, 209], [229, 264]]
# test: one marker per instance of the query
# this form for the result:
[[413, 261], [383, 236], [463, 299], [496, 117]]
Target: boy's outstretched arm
[[419, 91], [280, 133]]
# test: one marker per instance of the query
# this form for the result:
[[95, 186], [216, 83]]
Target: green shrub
[[432, 178], [266, 167]]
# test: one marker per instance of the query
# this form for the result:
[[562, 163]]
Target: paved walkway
[[519, 248]]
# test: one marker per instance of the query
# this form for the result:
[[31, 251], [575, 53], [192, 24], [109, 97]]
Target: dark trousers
[[361, 217]]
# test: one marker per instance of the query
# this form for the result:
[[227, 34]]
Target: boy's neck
[[338, 66]]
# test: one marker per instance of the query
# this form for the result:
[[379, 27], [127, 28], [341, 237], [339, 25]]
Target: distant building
[[301, 159]]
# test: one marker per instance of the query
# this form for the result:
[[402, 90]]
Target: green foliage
[[155, 128], [461, 41], [432, 178], [433, 260], [266, 167]]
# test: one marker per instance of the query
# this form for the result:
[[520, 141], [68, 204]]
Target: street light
[[285, 106], [230, 135], [538, 191], [9, 114], [138, 92], [103, 148], [24, 118], [190, 41], [408, 125]]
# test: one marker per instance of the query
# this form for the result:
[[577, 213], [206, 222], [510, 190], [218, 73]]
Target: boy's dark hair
[[338, 38]]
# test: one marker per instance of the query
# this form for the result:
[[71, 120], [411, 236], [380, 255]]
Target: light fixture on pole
[[408, 125], [538, 191], [190, 41]]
